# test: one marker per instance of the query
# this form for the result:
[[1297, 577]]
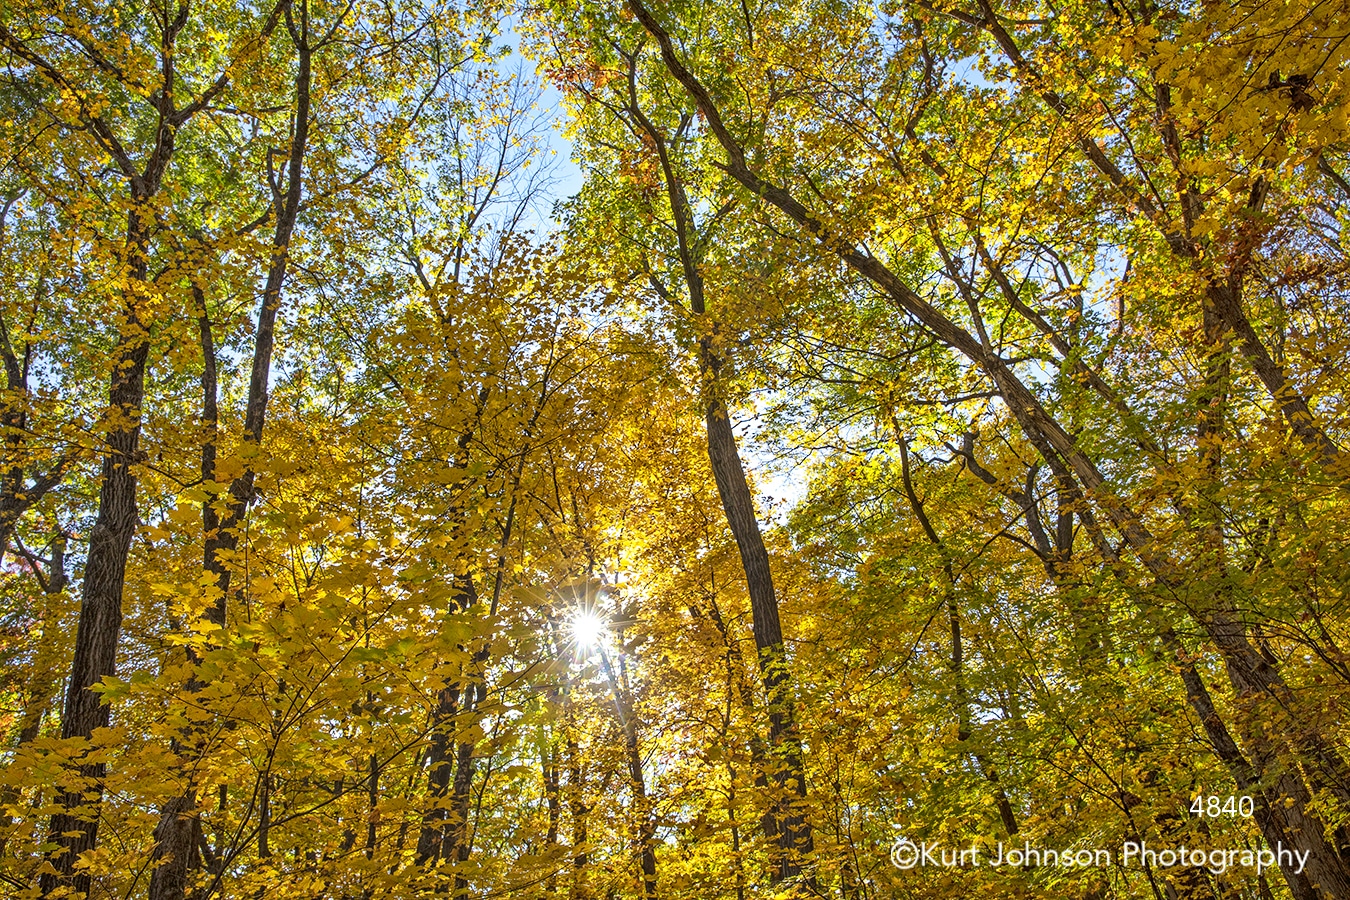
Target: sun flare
[[587, 628]]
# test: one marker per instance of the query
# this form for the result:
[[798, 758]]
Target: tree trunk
[[177, 833], [75, 828], [435, 842], [794, 830], [644, 828], [579, 811]]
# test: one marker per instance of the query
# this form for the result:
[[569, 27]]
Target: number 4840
[[1212, 806]]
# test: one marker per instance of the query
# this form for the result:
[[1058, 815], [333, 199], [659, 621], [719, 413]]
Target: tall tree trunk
[[578, 809], [458, 846], [794, 830], [179, 828], [74, 829], [433, 843], [644, 827], [445, 832], [791, 825], [552, 797]]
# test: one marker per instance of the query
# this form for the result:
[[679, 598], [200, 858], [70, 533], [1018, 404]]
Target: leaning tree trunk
[[794, 830], [790, 824]]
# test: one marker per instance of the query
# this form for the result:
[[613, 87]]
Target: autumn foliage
[[909, 423]]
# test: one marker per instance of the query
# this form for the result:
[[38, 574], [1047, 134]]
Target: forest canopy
[[674, 449]]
